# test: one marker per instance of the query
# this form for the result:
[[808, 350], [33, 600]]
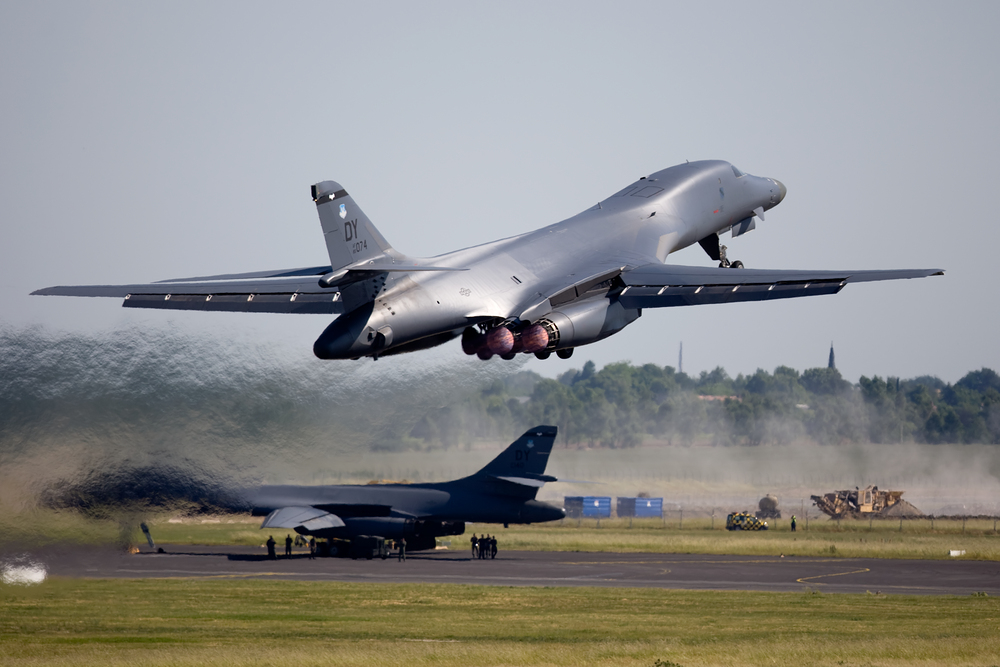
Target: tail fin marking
[[350, 236], [526, 457]]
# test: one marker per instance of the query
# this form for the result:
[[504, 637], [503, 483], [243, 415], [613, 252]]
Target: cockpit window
[[739, 174], [622, 193], [648, 191]]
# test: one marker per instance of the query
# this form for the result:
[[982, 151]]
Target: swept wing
[[282, 291], [665, 285], [309, 518]]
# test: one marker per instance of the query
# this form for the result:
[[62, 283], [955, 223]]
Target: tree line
[[622, 405]]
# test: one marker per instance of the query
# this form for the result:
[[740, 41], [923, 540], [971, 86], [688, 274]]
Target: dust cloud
[[127, 422], [153, 419], [938, 479]]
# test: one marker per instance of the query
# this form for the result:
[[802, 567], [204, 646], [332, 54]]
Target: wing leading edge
[[312, 290], [283, 291], [665, 286]]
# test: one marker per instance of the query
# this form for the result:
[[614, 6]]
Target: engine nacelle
[[583, 322]]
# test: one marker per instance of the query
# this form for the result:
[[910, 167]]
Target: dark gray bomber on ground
[[502, 492], [551, 290]]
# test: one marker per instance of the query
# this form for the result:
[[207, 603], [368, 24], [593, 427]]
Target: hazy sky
[[144, 141]]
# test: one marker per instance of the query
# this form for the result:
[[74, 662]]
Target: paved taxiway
[[529, 568]]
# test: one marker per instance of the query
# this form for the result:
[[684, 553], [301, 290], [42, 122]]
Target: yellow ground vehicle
[[744, 521]]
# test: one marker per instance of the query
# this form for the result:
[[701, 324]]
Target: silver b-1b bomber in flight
[[551, 290]]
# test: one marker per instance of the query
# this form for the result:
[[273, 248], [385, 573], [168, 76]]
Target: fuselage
[[511, 279], [420, 513], [465, 500]]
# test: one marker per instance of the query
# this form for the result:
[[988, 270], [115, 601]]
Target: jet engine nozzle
[[500, 341], [472, 341], [534, 339]]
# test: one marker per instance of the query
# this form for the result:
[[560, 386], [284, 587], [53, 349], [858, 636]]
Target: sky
[[146, 141]]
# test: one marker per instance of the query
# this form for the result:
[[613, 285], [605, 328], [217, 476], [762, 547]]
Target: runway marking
[[233, 575], [699, 562], [803, 580]]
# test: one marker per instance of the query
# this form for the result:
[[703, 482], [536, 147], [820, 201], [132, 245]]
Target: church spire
[[831, 363]]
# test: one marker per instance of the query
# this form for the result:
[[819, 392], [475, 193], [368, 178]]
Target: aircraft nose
[[782, 190]]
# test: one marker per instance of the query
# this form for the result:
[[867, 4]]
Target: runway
[[528, 568]]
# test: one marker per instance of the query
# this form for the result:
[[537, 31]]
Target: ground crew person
[[793, 523], [270, 548], [493, 547], [288, 546], [402, 549], [312, 548], [475, 544]]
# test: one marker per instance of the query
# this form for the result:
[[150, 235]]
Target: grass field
[[849, 539], [186, 622], [236, 622]]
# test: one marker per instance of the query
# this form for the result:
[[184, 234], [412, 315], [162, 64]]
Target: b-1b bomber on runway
[[548, 291], [502, 492]]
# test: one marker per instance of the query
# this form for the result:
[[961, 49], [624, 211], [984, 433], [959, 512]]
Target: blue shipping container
[[649, 507], [597, 507]]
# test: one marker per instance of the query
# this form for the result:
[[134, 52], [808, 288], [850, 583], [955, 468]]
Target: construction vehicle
[[856, 503], [744, 521]]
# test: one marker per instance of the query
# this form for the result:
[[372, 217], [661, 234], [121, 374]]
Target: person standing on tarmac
[[793, 523], [270, 548], [288, 546], [312, 548], [493, 547], [402, 549], [475, 544]]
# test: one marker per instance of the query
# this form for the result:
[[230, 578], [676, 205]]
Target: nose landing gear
[[724, 262], [710, 244]]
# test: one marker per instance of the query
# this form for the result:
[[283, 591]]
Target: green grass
[[848, 539], [188, 622]]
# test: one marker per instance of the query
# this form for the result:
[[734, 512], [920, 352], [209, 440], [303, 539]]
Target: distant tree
[[715, 383], [836, 419], [929, 381], [620, 404], [980, 381], [825, 381]]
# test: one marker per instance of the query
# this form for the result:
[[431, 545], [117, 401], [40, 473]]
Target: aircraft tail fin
[[525, 458], [350, 235]]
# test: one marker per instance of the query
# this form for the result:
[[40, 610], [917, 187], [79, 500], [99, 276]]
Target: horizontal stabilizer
[[356, 274], [310, 518], [535, 481]]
